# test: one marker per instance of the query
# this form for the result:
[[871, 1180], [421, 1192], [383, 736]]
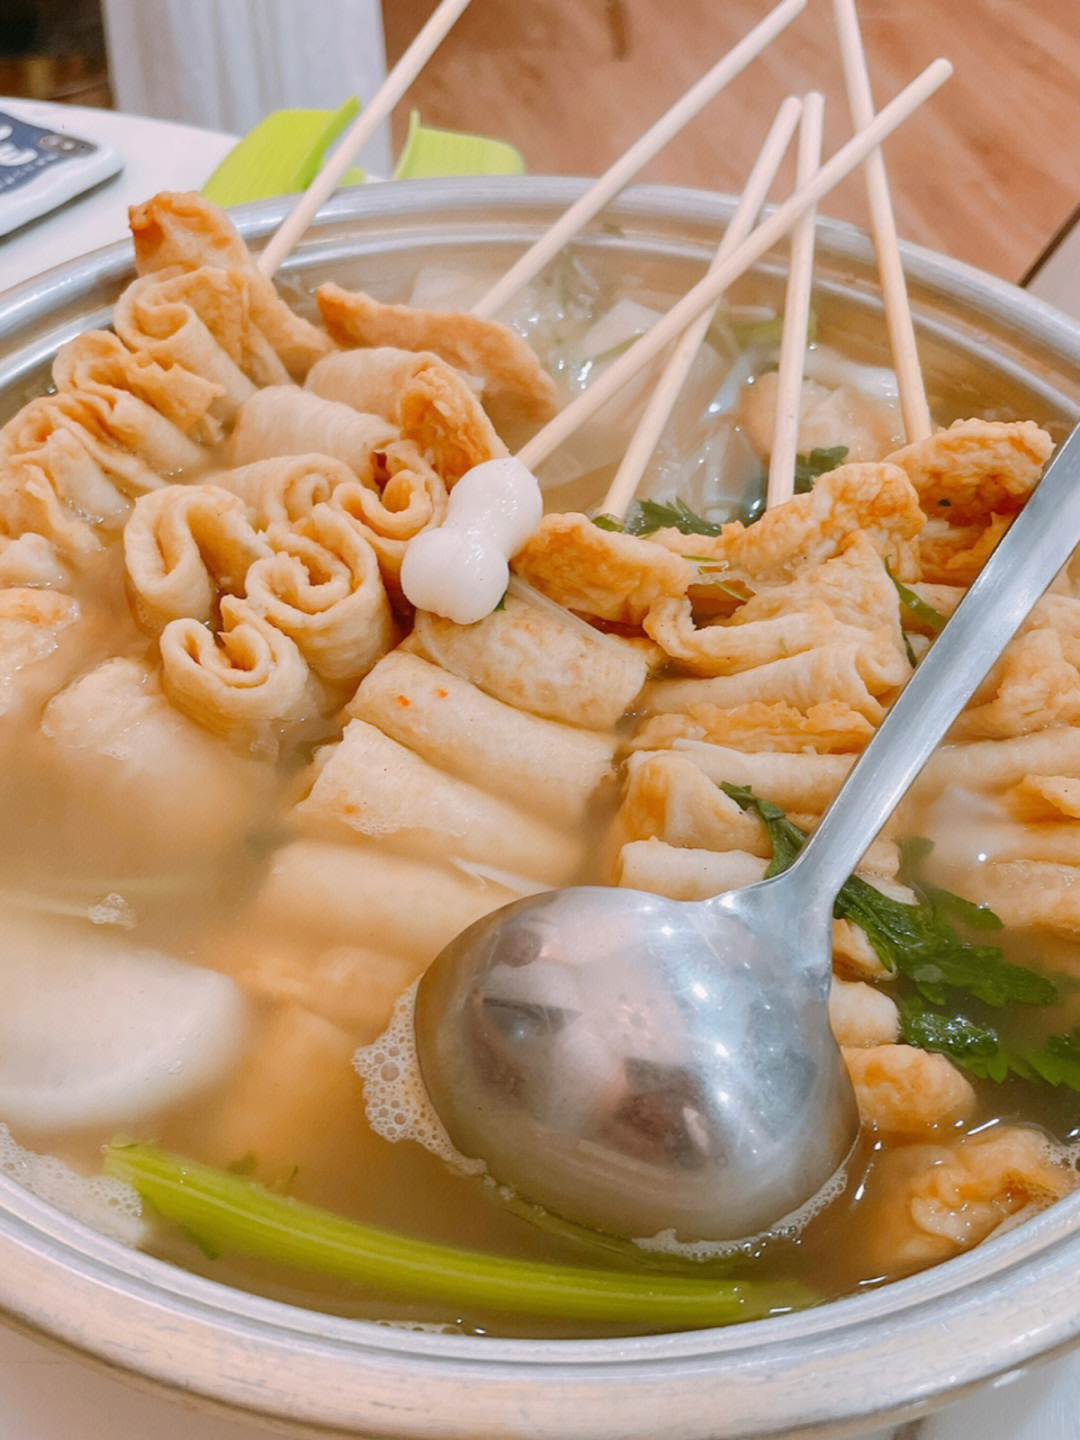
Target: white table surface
[[46, 1395]]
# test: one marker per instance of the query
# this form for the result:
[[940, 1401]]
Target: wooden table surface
[[988, 171]]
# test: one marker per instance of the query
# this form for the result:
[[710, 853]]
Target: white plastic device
[[41, 169]]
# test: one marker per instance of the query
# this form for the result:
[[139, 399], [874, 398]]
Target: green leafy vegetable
[[807, 469], [819, 462], [232, 1213], [974, 1046], [648, 516], [753, 506], [983, 1045], [925, 614], [920, 943], [787, 839], [917, 941], [965, 1001], [914, 850]]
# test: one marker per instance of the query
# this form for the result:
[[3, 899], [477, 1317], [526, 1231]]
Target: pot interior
[[986, 348]]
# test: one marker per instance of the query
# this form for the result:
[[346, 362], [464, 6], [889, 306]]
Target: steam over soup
[[249, 794]]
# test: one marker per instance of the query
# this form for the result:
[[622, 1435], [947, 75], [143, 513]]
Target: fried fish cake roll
[[182, 231], [327, 893], [193, 326], [547, 766], [514, 382], [849, 669], [369, 785], [145, 446], [993, 766], [285, 488], [98, 363], [247, 682], [40, 645], [286, 420], [799, 783], [321, 586], [536, 659], [931, 1201], [184, 547], [681, 873], [159, 786], [430, 402], [63, 475], [400, 496]]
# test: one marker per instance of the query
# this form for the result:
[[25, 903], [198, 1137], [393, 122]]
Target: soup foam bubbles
[[106, 1204], [395, 1100]]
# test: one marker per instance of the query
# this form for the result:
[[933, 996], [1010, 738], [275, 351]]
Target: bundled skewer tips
[[704, 294], [583, 210], [655, 415], [359, 132], [708, 290], [785, 442], [493, 511], [913, 403]]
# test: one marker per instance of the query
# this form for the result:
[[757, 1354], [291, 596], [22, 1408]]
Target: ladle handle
[[1037, 545]]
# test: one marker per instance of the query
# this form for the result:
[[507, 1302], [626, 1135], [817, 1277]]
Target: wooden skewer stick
[[708, 290], [913, 404], [363, 127], [658, 409], [785, 438], [642, 151]]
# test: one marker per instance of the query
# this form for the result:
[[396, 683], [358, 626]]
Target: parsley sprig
[[808, 468], [917, 941], [820, 460], [917, 607], [988, 1046], [648, 516], [963, 1000]]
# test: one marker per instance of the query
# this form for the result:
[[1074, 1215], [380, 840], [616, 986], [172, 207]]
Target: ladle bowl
[[643, 1065], [582, 1046]]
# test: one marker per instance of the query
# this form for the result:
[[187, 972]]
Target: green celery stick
[[232, 1213]]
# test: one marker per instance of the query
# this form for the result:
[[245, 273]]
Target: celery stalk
[[232, 1213]]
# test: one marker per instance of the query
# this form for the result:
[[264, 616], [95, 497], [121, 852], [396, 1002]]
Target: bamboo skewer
[[731, 260], [665, 129], [781, 481], [577, 215], [708, 290], [478, 541], [661, 401], [363, 127], [913, 403]]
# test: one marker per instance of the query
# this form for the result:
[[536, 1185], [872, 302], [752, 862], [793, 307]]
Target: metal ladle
[[638, 1064]]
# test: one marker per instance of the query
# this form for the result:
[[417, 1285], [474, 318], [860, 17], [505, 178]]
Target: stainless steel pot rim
[[879, 1355], [870, 1356], [529, 196]]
